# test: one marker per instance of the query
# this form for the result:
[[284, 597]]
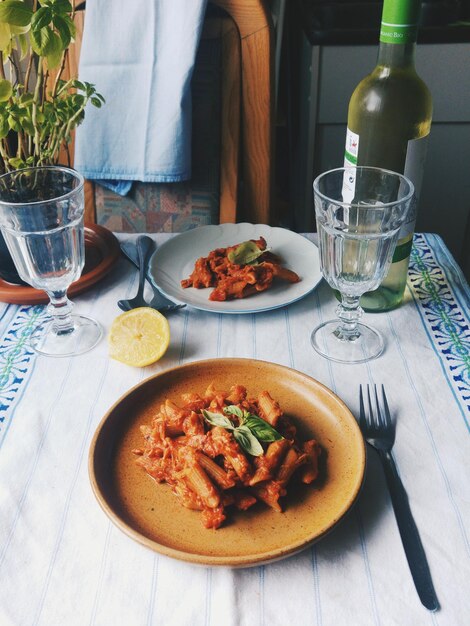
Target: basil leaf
[[217, 419], [245, 254], [234, 410], [261, 429], [246, 440]]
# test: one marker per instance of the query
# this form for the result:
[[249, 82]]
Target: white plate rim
[[178, 295]]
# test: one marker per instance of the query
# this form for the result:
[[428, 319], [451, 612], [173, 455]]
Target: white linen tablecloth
[[62, 562]]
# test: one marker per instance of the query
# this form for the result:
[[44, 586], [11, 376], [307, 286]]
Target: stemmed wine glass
[[359, 212], [41, 218]]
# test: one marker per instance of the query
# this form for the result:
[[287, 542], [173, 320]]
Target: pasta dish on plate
[[225, 449], [238, 271]]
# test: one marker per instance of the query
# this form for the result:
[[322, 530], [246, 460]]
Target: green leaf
[[247, 441], [61, 6], [217, 419], [96, 102], [20, 30], [16, 162], [40, 40], [245, 254], [63, 30], [76, 84], [25, 99], [13, 123], [54, 51], [261, 429], [41, 18], [15, 13], [5, 35], [28, 126], [6, 90], [24, 45], [234, 410], [4, 127]]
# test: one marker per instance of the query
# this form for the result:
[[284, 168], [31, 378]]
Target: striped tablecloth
[[63, 562]]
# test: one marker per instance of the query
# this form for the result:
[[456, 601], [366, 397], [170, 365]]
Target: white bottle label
[[414, 168], [350, 160]]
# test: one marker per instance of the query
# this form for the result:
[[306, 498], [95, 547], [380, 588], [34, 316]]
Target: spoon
[[159, 301], [144, 249]]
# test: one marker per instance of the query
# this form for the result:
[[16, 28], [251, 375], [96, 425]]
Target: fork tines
[[382, 414]]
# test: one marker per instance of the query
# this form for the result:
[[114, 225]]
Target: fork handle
[[409, 534], [144, 248]]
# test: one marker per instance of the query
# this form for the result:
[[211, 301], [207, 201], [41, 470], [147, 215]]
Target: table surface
[[62, 561]]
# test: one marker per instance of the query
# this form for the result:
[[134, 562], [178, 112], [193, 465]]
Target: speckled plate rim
[[242, 561]]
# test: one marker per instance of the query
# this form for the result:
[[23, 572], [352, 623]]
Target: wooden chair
[[248, 60]]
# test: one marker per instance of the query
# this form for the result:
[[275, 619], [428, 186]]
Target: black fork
[[379, 431]]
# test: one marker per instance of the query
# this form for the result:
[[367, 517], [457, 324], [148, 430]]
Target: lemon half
[[139, 337]]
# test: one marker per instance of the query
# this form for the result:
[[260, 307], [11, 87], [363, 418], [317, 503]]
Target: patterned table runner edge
[[444, 312]]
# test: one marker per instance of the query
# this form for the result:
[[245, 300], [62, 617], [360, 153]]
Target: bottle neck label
[[400, 21]]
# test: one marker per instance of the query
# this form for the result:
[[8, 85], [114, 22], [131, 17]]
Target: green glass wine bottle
[[389, 120]]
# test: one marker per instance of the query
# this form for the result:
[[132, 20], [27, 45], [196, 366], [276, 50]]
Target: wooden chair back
[[246, 126]]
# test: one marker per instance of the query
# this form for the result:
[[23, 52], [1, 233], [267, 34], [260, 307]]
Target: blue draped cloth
[[140, 55]]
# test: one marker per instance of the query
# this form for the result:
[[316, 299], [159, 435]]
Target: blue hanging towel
[[140, 56]]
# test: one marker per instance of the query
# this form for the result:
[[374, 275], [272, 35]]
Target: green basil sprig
[[248, 434], [246, 253]]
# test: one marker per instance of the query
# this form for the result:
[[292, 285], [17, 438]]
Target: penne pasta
[[223, 449], [269, 408]]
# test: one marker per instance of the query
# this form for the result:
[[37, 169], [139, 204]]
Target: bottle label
[[400, 21], [350, 160], [414, 168]]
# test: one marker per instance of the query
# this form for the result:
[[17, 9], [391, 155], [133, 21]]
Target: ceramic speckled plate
[[174, 260], [149, 513]]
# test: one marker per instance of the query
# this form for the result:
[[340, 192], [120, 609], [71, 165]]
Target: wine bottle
[[389, 120]]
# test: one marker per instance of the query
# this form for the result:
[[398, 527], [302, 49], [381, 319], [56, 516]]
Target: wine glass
[[359, 212], [41, 218]]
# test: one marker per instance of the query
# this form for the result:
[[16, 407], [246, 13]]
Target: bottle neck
[[396, 55], [398, 33]]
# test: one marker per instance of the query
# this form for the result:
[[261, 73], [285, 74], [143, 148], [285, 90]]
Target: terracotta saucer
[[149, 512], [101, 253]]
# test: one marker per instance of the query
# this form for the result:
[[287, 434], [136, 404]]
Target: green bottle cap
[[400, 21]]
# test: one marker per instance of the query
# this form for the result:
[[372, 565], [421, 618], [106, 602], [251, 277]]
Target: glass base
[[84, 336], [365, 345]]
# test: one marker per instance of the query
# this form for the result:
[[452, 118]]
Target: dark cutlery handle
[[409, 535], [130, 252]]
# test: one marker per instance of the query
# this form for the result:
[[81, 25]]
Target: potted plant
[[38, 108]]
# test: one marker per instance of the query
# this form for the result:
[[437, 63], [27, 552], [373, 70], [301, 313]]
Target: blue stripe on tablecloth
[[153, 588], [362, 538], [16, 360], [35, 461], [104, 558], [444, 318], [261, 573], [207, 619], [81, 454]]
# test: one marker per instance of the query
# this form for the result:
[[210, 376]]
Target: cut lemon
[[139, 337]]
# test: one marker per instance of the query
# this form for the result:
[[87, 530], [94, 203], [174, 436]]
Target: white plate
[[174, 261]]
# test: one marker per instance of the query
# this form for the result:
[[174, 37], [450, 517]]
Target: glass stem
[[60, 309], [349, 313]]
